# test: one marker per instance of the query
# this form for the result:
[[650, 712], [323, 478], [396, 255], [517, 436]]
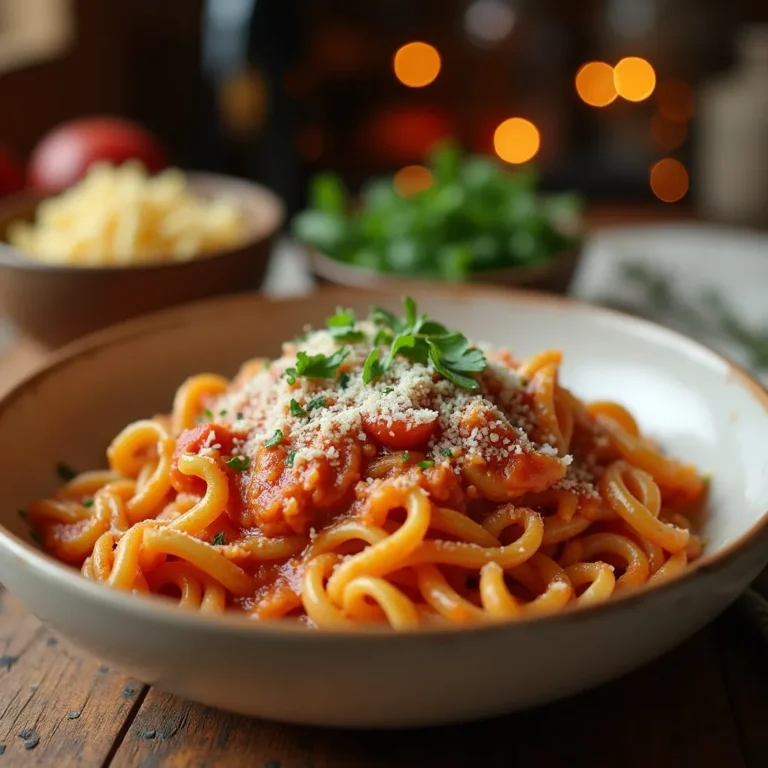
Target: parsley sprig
[[422, 340], [315, 366], [342, 326]]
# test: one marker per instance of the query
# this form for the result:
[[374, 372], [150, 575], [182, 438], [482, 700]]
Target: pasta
[[380, 473]]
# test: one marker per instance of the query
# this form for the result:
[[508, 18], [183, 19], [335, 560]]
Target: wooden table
[[704, 704]]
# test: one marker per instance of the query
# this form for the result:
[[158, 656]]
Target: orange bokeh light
[[634, 78], [412, 179], [668, 134], [416, 64], [516, 140], [594, 84], [669, 180], [674, 100]]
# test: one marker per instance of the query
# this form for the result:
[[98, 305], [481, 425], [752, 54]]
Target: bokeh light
[[516, 140], [416, 64], [674, 100], [489, 21], [634, 78], [669, 180], [667, 133], [412, 179], [594, 84]]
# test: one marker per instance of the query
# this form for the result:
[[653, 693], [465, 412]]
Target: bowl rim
[[13, 258], [322, 263], [155, 608]]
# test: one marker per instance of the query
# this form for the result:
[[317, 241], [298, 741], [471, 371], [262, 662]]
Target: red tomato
[[64, 155], [11, 174], [397, 435]]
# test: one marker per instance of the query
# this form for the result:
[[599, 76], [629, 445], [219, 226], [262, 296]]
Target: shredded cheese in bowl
[[121, 216]]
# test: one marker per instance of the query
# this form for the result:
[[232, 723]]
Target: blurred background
[[640, 110], [615, 98]]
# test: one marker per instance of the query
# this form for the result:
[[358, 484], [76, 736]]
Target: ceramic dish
[[697, 404], [55, 304], [553, 275]]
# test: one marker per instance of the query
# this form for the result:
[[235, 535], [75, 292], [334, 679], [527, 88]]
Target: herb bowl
[[55, 304], [552, 276]]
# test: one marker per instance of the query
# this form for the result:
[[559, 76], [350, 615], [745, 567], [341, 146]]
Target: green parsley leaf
[[452, 357], [425, 464], [383, 318], [342, 326], [316, 366], [344, 380], [239, 415], [276, 439], [208, 414], [372, 368], [316, 402], [23, 514], [240, 463], [87, 503], [387, 390], [219, 539], [446, 452], [297, 410], [404, 457], [382, 338], [289, 459], [223, 412], [65, 472]]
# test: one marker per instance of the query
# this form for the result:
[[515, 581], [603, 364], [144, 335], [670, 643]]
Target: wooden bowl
[[55, 304], [552, 276]]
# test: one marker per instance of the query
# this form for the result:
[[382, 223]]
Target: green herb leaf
[[276, 439], [382, 338], [219, 539], [316, 366], [65, 472], [425, 464], [372, 368], [404, 457], [388, 390], [452, 357], [239, 415], [208, 414], [87, 503], [447, 452], [240, 463], [316, 402], [289, 459], [344, 380], [223, 412], [297, 410], [342, 326]]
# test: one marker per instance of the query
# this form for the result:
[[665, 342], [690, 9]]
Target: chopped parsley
[[344, 380], [239, 415], [422, 340], [208, 414], [289, 459], [276, 439], [223, 412], [316, 402], [65, 472], [342, 326], [446, 452], [87, 503], [297, 410], [404, 457], [219, 539], [240, 463], [388, 390], [372, 368], [425, 464], [315, 366]]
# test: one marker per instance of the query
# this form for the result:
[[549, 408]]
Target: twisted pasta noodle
[[403, 501]]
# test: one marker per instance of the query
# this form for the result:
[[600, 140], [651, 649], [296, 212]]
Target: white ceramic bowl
[[696, 403]]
